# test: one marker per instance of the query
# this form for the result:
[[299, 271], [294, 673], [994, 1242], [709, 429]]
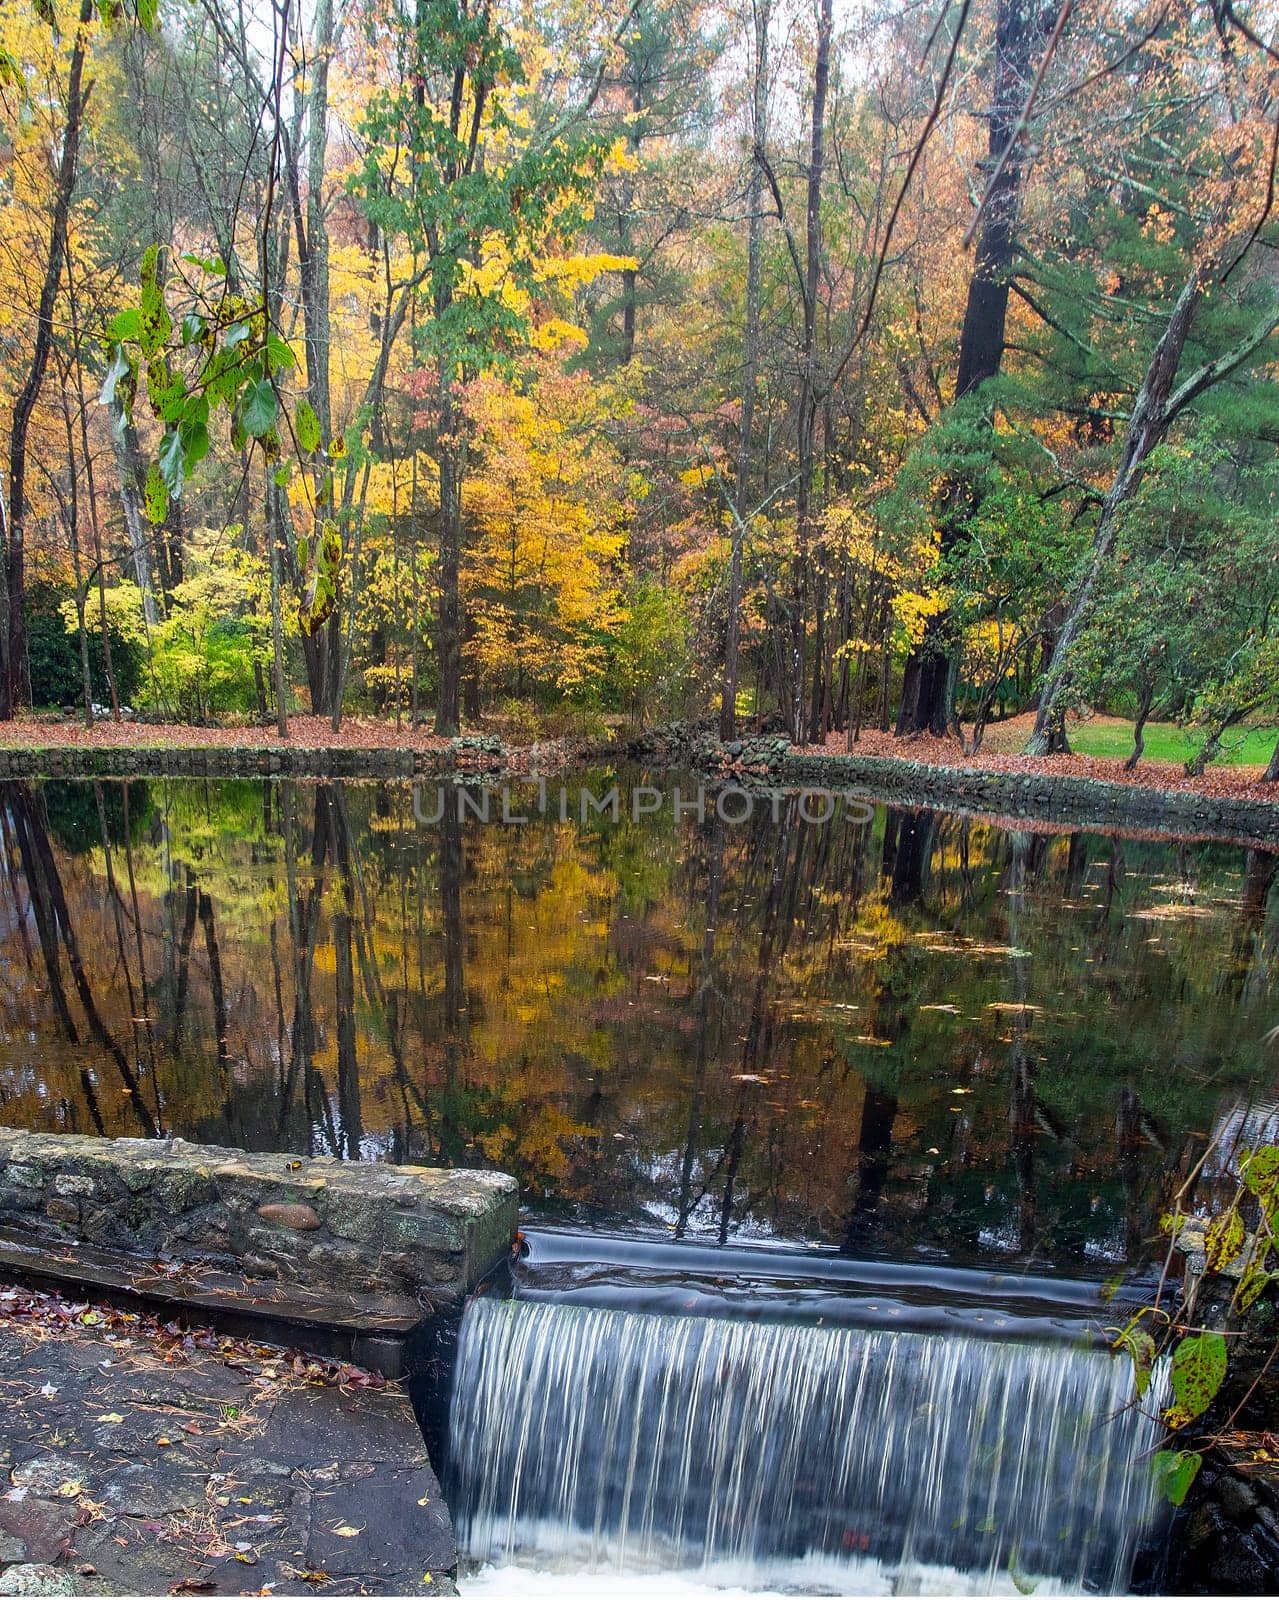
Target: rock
[[70, 1183], [28, 1578], [303, 1219], [48, 1474], [36, 1530], [63, 1210], [1235, 1497]]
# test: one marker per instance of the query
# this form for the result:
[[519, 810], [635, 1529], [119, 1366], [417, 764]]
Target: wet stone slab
[[136, 1459], [348, 1244]]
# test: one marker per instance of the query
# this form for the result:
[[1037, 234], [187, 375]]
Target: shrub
[[53, 650]]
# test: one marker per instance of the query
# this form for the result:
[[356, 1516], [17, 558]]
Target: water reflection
[[898, 1031]]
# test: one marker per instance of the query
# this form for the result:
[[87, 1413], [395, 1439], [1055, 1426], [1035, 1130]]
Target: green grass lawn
[[1167, 742]]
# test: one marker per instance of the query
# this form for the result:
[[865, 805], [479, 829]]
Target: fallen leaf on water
[[344, 1530], [109, 1416]]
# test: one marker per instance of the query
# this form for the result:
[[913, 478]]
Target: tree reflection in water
[[910, 1032]]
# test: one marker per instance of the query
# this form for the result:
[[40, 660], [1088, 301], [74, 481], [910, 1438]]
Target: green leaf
[[195, 444], [236, 334], [148, 14], [192, 327], [155, 496], [154, 324], [1260, 1172], [259, 408], [213, 265], [1141, 1347], [125, 324], [1021, 1583], [1223, 1240], [113, 387], [319, 596], [1174, 1472], [281, 475], [173, 461], [1198, 1368], [1253, 1281], [278, 354], [307, 426]]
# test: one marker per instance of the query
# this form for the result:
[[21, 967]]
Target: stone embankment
[[1066, 800], [351, 1258], [1042, 797]]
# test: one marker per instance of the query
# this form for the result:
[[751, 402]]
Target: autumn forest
[[882, 366]]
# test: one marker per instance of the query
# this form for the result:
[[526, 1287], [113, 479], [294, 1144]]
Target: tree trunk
[[1212, 745], [750, 366], [1151, 417], [129, 462], [313, 266], [13, 632], [1139, 730], [625, 233], [808, 399], [275, 542], [449, 640], [1019, 26]]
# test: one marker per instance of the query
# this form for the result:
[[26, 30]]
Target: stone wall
[[1047, 797], [1092, 803], [231, 761], [315, 1231]]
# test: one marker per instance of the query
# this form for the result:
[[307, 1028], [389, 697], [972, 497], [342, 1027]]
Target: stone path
[[140, 1459]]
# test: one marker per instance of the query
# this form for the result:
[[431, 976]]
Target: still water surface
[[911, 1034]]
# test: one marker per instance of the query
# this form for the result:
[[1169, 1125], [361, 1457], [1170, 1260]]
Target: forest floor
[[46, 730], [1092, 741], [141, 1458]]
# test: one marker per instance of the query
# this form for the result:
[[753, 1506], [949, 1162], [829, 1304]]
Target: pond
[[835, 1126], [892, 1032]]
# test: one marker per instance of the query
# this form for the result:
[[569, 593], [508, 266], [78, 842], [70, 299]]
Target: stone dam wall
[[326, 1247]]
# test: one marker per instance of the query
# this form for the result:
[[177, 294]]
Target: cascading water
[[851, 1460]]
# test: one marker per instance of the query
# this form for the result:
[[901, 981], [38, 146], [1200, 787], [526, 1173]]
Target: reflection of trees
[[1246, 939], [707, 993], [24, 808], [758, 1025]]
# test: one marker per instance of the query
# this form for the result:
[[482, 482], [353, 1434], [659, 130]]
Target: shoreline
[[1070, 792]]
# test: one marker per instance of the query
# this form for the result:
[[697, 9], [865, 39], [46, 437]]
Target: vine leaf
[[307, 426], [259, 408], [155, 496], [1260, 1173], [1198, 1368], [1253, 1281], [1175, 1471], [1224, 1239], [1141, 1347]]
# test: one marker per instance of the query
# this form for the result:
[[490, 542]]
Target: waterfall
[[641, 1441]]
